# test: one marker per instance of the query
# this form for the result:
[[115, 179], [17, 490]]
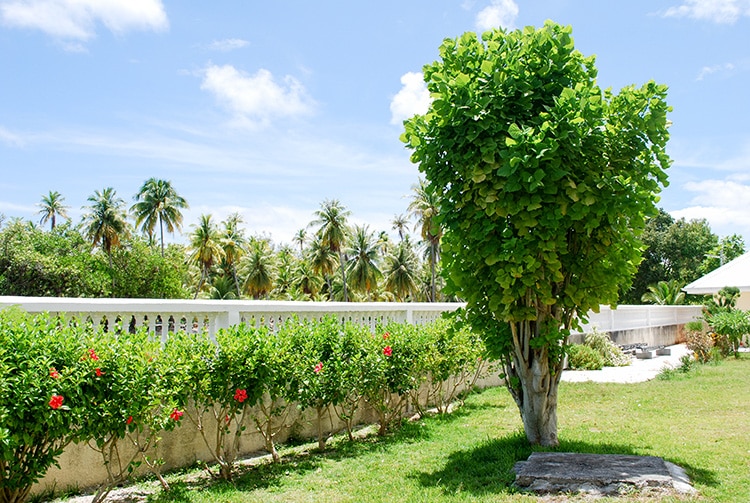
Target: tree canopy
[[545, 181]]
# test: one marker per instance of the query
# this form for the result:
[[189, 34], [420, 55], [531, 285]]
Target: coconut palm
[[362, 269], [233, 243], [51, 207], [305, 279], [333, 232], [205, 248], [402, 271], [322, 261], [258, 269], [424, 205], [300, 238], [400, 223], [158, 202], [105, 223], [665, 293]]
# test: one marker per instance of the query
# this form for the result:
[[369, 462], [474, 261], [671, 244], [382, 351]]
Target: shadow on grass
[[488, 468], [266, 475]]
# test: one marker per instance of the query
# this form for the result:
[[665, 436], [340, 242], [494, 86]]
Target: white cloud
[[723, 203], [256, 99], [412, 99], [499, 14], [710, 70], [229, 44], [10, 138], [717, 11], [77, 19]]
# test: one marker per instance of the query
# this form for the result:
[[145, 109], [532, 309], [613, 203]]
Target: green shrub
[[609, 351], [42, 399], [582, 357], [733, 325]]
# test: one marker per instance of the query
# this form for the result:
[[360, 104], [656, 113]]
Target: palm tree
[[402, 271], [205, 248], [322, 261], [665, 293], [333, 232], [300, 238], [424, 205], [362, 269], [157, 201], [233, 242], [105, 223], [51, 207], [400, 223], [258, 268], [305, 279]]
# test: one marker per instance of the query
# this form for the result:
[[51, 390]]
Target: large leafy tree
[[544, 182], [333, 232], [157, 202], [52, 207]]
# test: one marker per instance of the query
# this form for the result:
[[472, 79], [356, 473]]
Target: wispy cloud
[[256, 99], [499, 14], [77, 19], [10, 138], [716, 11], [723, 203], [726, 68], [412, 99], [228, 44]]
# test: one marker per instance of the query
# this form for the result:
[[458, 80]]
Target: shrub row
[[62, 381]]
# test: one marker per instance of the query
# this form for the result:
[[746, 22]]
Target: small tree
[[544, 183]]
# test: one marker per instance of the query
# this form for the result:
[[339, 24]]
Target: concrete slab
[[599, 474]]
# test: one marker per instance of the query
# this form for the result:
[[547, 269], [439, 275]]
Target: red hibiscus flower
[[318, 368], [387, 351], [176, 415], [240, 395], [56, 401], [129, 420], [98, 372], [93, 355], [53, 373], [386, 335]]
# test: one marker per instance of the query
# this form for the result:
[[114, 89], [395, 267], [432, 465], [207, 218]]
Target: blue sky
[[269, 108]]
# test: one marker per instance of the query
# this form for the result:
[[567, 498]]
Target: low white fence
[[163, 316]]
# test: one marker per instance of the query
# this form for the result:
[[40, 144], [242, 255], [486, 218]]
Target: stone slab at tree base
[[599, 474]]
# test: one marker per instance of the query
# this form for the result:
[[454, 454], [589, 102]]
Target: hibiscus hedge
[[64, 381]]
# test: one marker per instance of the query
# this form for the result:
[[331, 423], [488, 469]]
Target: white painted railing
[[165, 316]]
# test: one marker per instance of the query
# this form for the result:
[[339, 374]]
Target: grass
[[698, 419]]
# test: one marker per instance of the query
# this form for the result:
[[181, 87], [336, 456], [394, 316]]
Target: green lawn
[[700, 421]]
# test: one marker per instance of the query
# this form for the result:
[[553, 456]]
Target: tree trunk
[[533, 378], [343, 275]]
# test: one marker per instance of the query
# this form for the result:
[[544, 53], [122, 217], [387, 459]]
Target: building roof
[[735, 273]]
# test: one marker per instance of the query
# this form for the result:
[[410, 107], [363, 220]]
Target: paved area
[[637, 371]]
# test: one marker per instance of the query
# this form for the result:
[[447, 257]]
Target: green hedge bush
[[64, 381]]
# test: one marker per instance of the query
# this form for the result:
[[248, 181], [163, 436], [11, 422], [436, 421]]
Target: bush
[[583, 357], [609, 351], [700, 343]]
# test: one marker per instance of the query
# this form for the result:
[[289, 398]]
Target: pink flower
[[240, 395], [176, 415], [53, 373], [387, 351], [318, 368], [56, 401]]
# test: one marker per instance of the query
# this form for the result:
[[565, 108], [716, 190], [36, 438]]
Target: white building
[[735, 273]]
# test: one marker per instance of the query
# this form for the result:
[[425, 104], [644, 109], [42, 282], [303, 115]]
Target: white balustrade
[[164, 316]]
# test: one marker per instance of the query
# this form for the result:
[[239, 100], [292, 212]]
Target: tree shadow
[[488, 468]]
